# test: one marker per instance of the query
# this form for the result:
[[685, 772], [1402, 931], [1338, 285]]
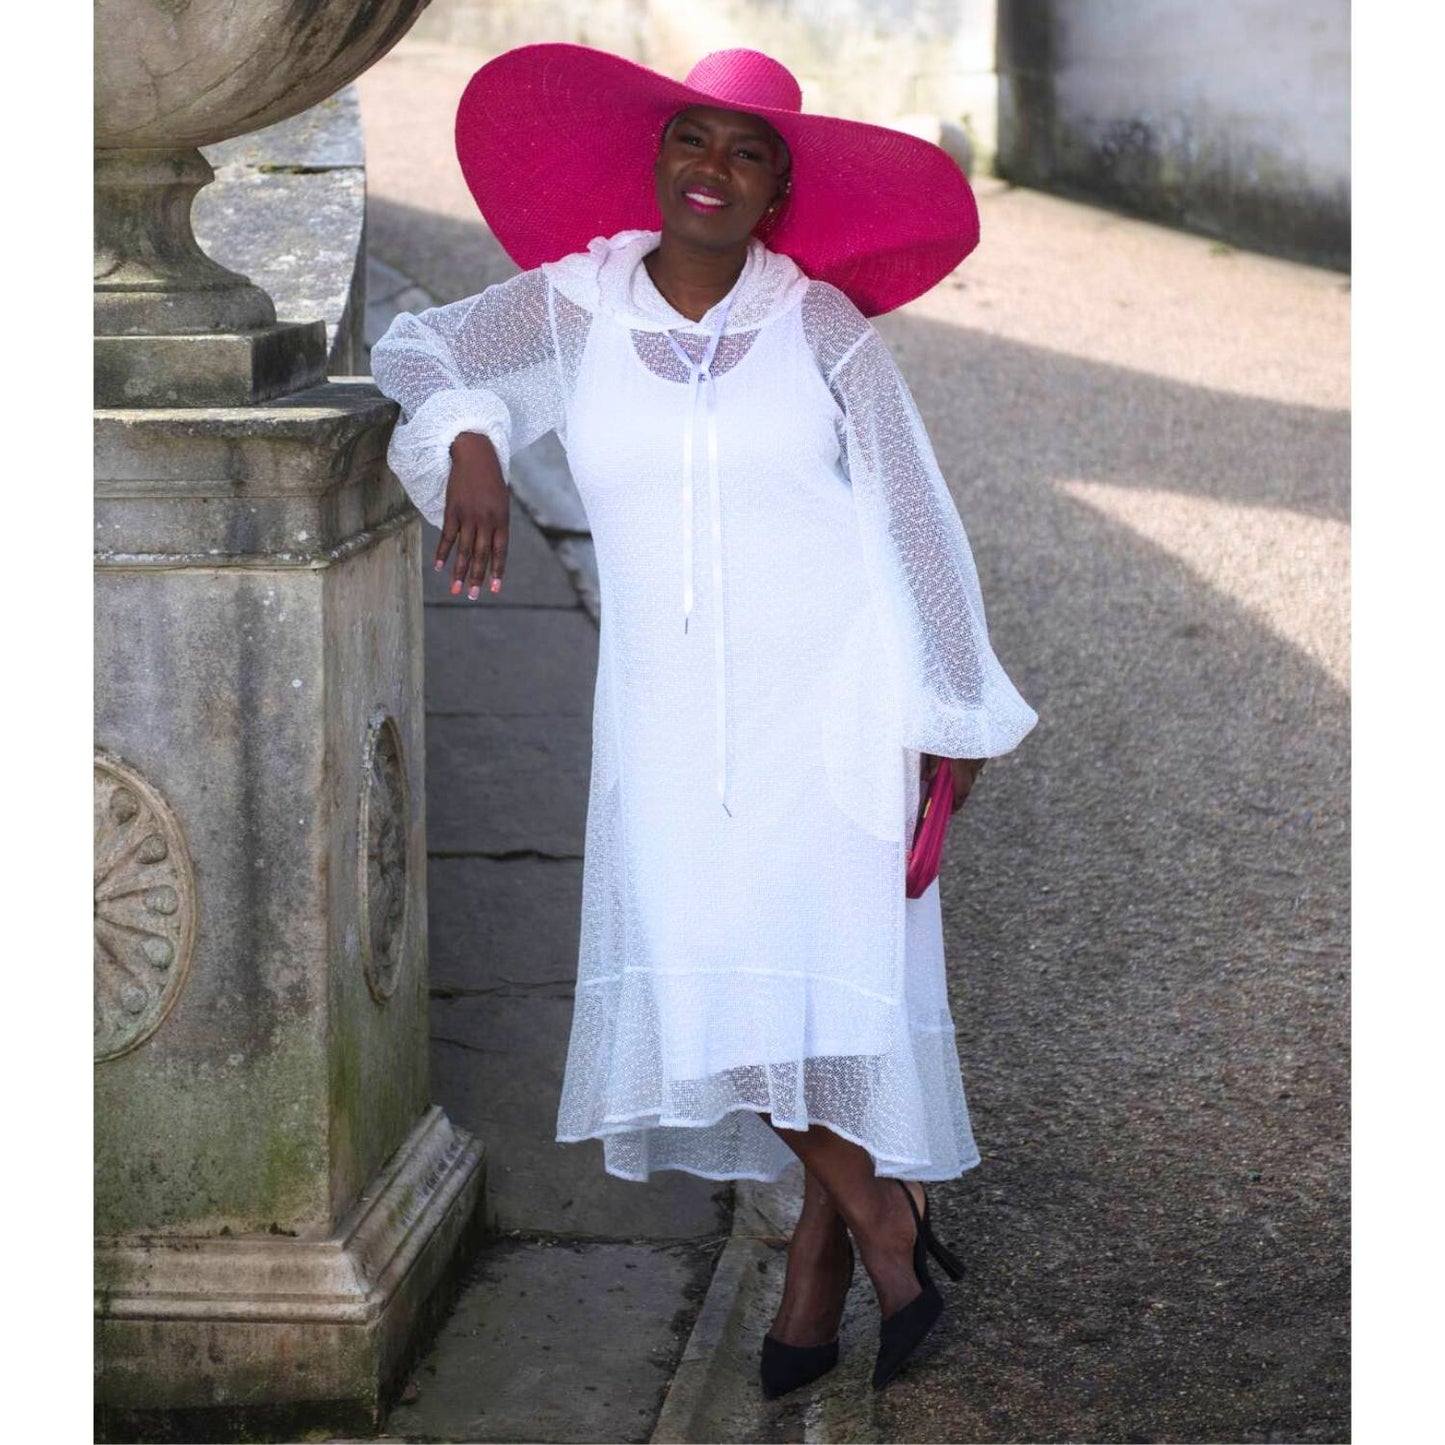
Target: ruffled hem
[[904, 1103], [621, 1141]]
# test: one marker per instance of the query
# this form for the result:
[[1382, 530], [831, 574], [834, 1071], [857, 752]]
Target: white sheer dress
[[790, 614]]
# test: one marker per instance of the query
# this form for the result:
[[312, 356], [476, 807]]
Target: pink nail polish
[[496, 585], [475, 593], [456, 587], [437, 566]]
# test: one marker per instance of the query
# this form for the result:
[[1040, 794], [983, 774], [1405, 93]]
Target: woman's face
[[717, 173]]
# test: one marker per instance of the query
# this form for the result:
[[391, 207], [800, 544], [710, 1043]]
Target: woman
[[792, 634]]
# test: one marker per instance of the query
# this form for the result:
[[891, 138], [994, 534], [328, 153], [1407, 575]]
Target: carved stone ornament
[[145, 908], [384, 831]]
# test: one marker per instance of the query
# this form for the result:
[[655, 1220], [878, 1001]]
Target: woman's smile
[[704, 199]]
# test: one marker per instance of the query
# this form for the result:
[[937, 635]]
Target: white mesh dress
[[790, 614]]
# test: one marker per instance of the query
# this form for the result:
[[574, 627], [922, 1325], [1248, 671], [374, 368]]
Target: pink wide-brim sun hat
[[557, 144]]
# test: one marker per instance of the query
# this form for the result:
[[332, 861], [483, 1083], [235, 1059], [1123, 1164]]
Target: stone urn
[[171, 325], [280, 1210]]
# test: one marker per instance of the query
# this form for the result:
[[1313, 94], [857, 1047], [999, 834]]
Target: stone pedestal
[[277, 1204]]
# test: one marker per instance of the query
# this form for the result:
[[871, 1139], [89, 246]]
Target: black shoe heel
[[790, 1367], [951, 1264], [904, 1330]]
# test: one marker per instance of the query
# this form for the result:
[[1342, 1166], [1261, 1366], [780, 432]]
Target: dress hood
[[608, 278]]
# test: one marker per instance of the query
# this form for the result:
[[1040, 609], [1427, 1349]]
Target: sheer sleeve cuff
[[994, 725], [420, 448]]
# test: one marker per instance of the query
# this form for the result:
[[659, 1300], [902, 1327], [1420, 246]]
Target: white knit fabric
[[758, 957]]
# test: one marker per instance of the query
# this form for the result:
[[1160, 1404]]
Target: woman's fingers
[[476, 546], [477, 572], [499, 557], [445, 545], [463, 560]]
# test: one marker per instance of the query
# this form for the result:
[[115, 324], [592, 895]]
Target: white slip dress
[[789, 614]]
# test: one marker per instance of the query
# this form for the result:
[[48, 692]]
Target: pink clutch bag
[[927, 849]]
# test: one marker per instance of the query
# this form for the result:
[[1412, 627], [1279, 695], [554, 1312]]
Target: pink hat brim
[[557, 144]]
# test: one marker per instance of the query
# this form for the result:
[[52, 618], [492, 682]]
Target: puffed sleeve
[[485, 364], [953, 697]]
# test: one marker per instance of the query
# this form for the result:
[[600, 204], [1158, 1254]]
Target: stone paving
[[571, 1323], [1146, 908]]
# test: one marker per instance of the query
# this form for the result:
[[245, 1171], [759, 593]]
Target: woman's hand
[[478, 512], [965, 774]]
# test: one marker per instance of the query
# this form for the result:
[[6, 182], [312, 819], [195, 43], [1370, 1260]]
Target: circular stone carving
[[145, 908], [384, 831]]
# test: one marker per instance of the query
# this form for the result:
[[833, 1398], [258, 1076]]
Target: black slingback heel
[[904, 1330], [789, 1367]]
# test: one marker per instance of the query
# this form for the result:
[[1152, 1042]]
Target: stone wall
[[1229, 118]]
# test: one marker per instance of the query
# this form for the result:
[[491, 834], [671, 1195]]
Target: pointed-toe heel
[[905, 1329], [790, 1367], [784, 1368]]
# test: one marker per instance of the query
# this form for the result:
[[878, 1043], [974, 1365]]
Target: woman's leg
[[819, 1268], [873, 1208]]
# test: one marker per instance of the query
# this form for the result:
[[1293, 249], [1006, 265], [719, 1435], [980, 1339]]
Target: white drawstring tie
[[700, 378]]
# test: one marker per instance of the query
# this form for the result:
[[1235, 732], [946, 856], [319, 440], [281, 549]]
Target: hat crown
[[744, 78]]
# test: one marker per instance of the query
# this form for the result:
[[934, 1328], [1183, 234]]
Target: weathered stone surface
[[578, 555], [194, 75], [572, 1342], [145, 909], [293, 483], [276, 1085], [471, 654], [296, 1332], [274, 701], [217, 370], [1231, 120], [299, 443], [325, 136], [151, 275], [503, 925], [300, 237], [287, 209], [501, 784]]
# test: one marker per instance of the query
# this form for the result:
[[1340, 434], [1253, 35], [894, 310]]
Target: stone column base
[[265, 1336], [225, 369]]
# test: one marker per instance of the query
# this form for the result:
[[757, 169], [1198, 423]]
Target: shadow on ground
[[1146, 917]]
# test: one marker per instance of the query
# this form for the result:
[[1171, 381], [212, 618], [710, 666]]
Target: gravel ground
[[1147, 907]]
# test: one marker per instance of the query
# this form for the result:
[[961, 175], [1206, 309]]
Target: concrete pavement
[[1146, 909], [575, 1316]]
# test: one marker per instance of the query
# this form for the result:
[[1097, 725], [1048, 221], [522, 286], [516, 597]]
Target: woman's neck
[[692, 281]]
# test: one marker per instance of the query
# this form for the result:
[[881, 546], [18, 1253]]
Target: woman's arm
[[477, 380], [954, 698]]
